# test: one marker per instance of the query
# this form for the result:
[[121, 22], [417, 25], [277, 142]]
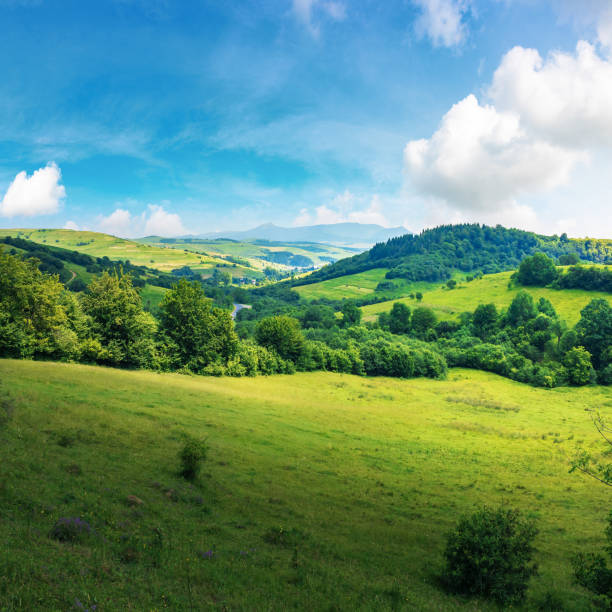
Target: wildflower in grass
[[209, 554]]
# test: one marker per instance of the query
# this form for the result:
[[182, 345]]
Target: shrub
[[70, 529], [578, 364], [281, 334], [537, 270], [592, 571], [605, 376], [191, 456], [489, 554]]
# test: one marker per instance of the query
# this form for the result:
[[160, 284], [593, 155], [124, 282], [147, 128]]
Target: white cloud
[[304, 11], [566, 98], [71, 225], [39, 194], [480, 157], [510, 159], [442, 21], [118, 223], [162, 223], [344, 208], [154, 221]]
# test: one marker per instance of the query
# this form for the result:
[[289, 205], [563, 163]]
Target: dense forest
[[434, 254]]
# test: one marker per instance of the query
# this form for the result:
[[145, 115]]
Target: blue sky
[[160, 116]]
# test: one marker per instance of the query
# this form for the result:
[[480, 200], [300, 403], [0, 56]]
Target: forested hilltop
[[434, 254]]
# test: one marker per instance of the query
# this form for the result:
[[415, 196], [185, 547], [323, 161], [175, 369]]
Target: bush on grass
[[489, 554]]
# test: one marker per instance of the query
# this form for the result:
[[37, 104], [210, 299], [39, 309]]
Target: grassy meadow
[[253, 251], [448, 303], [321, 491], [96, 244], [358, 286]]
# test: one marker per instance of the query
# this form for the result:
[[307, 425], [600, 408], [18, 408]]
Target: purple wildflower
[[209, 554]]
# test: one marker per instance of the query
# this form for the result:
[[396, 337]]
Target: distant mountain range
[[348, 234]]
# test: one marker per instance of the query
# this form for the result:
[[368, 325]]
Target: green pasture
[[320, 492], [101, 245], [362, 285], [152, 296], [253, 251], [448, 303]]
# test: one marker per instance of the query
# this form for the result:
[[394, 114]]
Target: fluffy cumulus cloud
[[308, 11], [566, 98], [71, 225], [118, 223], [344, 208], [38, 194], [540, 119], [154, 221], [442, 21], [480, 157], [161, 223]]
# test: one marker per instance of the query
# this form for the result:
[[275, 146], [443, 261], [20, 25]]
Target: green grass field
[[101, 245], [320, 491], [152, 296], [490, 288], [254, 250], [361, 285]]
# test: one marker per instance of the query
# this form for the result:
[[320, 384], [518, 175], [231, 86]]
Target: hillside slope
[[105, 245], [319, 491], [491, 288], [260, 253], [434, 255]]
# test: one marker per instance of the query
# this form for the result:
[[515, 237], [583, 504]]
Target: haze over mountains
[[352, 234]]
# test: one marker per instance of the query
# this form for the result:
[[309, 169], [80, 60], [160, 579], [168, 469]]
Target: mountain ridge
[[352, 234]]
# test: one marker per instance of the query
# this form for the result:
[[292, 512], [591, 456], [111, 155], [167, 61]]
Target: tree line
[[107, 324], [282, 333]]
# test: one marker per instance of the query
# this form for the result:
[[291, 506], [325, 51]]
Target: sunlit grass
[[448, 303], [105, 245], [364, 475]]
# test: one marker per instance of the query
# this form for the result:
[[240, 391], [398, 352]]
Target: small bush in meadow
[[192, 454], [489, 554], [70, 529]]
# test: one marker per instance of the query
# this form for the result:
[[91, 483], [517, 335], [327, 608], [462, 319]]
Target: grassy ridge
[[105, 245], [253, 251], [491, 288], [365, 476]]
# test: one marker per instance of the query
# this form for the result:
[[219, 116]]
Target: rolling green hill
[[260, 253], [491, 288], [320, 491], [103, 245], [437, 254]]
